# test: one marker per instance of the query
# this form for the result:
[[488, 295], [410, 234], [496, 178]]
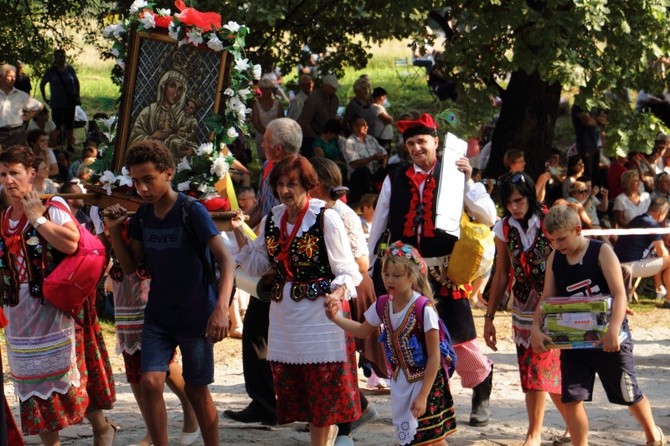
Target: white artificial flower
[[137, 5], [121, 63], [235, 103], [258, 71], [109, 30], [107, 179], [194, 37], [119, 30], [215, 43], [244, 93], [183, 187], [229, 92], [173, 31], [241, 64], [148, 21], [205, 149], [202, 187], [183, 165], [232, 133], [163, 12], [115, 52], [233, 27], [220, 167], [109, 122], [116, 30], [124, 179]]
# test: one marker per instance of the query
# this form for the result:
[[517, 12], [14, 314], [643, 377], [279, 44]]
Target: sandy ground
[[610, 425]]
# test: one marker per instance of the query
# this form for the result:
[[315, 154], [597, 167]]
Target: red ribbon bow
[[206, 21]]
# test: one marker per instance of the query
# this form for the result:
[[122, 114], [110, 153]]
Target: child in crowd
[[130, 297], [584, 267], [90, 151], [514, 160], [366, 208], [42, 184], [421, 402], [39, 144], [184, 307]]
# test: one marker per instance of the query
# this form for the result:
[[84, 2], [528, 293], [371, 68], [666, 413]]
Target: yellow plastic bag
[[473, 253]]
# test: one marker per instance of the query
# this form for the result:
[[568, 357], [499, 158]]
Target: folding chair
[[405, 71]]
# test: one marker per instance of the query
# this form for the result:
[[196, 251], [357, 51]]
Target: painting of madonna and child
[[169, 91]]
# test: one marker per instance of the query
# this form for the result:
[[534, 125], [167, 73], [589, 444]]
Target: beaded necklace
[[285, 242], [12, 235]]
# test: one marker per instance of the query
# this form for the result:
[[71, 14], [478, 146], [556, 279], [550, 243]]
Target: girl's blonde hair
[[407, 259]]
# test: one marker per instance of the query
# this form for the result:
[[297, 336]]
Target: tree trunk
[[526, 122]]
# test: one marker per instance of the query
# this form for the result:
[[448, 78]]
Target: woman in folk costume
[[406, 208], [522, 246], [58, 362], [312, 360]]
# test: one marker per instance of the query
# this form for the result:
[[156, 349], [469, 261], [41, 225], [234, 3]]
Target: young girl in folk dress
[[421, 402]]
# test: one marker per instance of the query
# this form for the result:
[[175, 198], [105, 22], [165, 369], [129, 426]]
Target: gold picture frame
[[168, 92]]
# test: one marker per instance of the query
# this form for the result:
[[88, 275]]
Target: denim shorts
[[158, 347]]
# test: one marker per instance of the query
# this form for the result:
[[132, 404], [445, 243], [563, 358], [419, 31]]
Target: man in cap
[[406, 207], [16, 107], [320, 107]]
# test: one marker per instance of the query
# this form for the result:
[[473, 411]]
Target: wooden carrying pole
[[221, 218]]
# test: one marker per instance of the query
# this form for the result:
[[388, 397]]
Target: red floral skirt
[[322, 394], [96, 390], [539, 371]]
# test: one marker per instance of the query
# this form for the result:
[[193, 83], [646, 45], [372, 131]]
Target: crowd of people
[[346, 240]]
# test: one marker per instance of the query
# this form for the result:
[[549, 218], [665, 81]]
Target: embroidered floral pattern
[[310, 273], [272, 243], [529, 265], [308, 245]]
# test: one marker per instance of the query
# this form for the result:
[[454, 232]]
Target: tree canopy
[[527, 51], [31, 30]]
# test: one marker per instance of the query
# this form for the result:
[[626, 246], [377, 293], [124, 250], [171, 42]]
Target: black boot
[[479, 416]]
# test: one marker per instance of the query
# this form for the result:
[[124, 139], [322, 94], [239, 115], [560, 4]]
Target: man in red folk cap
[[406, 207]]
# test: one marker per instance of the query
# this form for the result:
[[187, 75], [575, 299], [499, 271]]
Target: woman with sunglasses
[[521, 245]]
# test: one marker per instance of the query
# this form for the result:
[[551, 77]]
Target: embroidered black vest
[[441, 244], [405, 346], [309, 261], [532, 276], [40, 258]]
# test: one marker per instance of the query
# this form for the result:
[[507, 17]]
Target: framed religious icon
[[169, 90]]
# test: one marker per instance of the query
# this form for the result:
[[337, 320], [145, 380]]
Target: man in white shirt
[[15, 108], [406, 208]]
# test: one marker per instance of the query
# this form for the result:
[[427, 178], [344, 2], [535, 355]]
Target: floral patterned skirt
[[96, 390], [539, 371], [322, 394], [439, 419]]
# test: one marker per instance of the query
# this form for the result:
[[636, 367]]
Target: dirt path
[[610, 425]]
